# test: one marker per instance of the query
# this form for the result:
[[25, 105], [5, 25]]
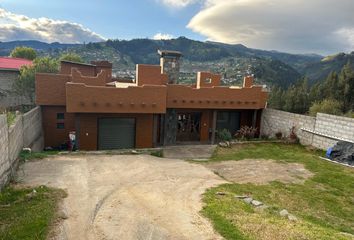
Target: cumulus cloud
[[178, 3], [321, 26], [162, 36], [19, 27]]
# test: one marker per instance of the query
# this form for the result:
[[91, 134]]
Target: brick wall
[[25, 132], [324, 129]]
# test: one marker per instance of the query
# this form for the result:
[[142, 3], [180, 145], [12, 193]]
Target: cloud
[[178, 3], [19, 27], [320, 26], [162, 36]]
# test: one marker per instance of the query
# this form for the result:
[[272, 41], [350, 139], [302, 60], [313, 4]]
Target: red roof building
[[9, 63]]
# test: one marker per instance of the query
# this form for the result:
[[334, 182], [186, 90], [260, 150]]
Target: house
[[154, 110], [9, 73]]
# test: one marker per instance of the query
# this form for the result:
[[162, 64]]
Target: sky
[[295, 26]]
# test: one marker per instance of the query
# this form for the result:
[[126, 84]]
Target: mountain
[[318, 71], [233, 61], [6, 47]]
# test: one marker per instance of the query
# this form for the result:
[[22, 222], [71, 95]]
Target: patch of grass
[[26, 156], [11, 117], [323, 204], [158, 153], [28, 216]]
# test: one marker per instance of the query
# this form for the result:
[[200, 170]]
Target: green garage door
[[116, 133]]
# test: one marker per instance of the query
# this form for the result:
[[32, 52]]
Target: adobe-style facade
[[155, 110]]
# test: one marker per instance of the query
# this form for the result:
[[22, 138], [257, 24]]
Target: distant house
[[154, 110], [9, 72]]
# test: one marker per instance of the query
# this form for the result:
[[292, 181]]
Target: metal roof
[[9, 63]]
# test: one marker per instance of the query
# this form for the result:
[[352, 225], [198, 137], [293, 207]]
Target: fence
[[26, 131], [322, 131]]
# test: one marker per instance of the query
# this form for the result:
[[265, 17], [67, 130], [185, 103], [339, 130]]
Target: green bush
[[329, 106], [224, 135]]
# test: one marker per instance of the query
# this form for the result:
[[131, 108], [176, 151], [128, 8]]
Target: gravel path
[[126, 196]]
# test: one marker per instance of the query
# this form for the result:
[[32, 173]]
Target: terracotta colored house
[[155, 110]]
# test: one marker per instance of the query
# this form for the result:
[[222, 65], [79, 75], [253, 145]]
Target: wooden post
[[213, 130]]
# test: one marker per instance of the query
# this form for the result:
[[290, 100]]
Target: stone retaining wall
[[333, 127], [25, 132]]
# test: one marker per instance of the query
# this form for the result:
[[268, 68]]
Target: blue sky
[[296, 26], [113, 19]]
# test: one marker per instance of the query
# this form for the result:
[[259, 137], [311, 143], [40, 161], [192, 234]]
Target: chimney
[[170, 64], [248, 81]]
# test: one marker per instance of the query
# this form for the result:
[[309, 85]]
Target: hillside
[[232, 61], [319, 70]]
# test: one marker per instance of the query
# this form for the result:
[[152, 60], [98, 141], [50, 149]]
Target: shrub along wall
[[322, 131], [26, 131]]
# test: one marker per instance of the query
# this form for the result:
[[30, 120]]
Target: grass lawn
[[26, 156], [324, 204], [28, 216]]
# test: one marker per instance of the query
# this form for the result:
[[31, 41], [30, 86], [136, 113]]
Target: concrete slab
[[189, 152]]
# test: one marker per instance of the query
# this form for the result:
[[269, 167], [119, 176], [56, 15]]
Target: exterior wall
[[133, 99], [99, 80], [206, 79], [54, 137], [15, 137], [7, 79], [150, 74], [33, 130], [85, 69], [88, 130], [248, 81], [336, 126], [179, 96], [50, 89], [105, 66], [4, 152], [274, 121]]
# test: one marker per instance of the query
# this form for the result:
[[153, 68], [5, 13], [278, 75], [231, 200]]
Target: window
[[60, 116], [60, 126]]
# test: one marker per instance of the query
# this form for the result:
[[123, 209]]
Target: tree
[[276, 98], [346, 81], [73, 57], [25, 84], [24, 52], [329, 106]]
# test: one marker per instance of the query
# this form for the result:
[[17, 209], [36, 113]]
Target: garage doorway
[[116, 133]]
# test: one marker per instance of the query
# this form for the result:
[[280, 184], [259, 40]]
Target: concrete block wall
[[336, 126], [32, 130], [25, 132], [4, 151], [15, 140], [274, 121]]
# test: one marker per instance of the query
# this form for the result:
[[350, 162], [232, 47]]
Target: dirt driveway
[[126, 196]]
